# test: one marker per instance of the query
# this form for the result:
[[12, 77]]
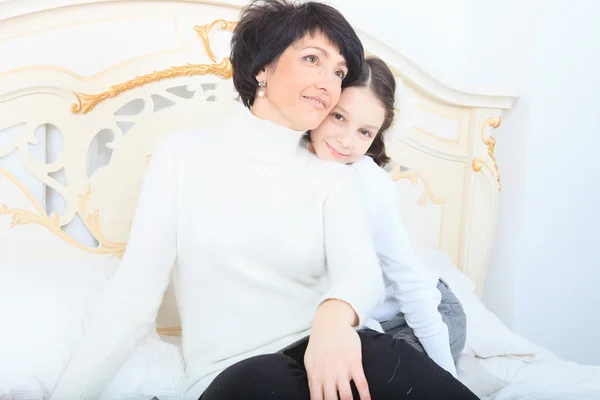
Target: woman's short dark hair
[[268, 27], [376, 76]]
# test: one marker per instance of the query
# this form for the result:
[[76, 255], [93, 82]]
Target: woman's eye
[[312, 59], [364, 132], [340, 74]]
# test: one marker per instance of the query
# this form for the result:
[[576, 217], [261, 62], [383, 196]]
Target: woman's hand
[[333, 357]]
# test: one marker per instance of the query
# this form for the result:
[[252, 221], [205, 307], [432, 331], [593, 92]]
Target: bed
[[88, 89]]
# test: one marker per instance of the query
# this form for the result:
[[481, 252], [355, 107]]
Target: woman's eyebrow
[[325, 54]]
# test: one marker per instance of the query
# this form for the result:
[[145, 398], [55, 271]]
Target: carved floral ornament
[[52, 223], [399, 173], [490, 142]]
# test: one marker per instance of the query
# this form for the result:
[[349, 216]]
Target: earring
[[261, 92]]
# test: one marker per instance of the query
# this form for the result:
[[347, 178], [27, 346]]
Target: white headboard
[[87, 89]]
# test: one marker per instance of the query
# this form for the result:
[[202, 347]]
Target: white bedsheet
[[529, 371], [550, 379]]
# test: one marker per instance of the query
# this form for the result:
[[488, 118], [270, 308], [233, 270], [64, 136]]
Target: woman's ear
[[261, 76]]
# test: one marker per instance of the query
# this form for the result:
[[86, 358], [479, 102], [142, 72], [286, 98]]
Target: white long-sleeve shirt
[[260, 232], [407, 290]]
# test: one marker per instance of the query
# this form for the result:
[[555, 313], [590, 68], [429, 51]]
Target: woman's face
[[304, 84], [349, 129]]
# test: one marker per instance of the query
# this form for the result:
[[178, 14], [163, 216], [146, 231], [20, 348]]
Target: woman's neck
[[263, 109]]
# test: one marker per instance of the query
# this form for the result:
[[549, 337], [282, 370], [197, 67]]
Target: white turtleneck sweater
[[407, 289], [260, 233]]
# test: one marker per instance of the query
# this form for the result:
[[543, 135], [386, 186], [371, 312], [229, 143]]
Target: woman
[[412, 310], [269, 247]]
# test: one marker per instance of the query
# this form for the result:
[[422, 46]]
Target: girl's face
[[304, 84], [349, 129]]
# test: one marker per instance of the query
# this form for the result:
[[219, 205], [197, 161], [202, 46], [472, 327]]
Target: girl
[[259, 231], [353, 134]]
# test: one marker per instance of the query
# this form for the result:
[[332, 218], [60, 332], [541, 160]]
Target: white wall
[[545, 267], [557, 274], [500, 55], [426, 31], [548, 245]]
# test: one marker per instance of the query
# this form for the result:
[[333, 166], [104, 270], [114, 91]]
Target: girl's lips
[[334, 151]]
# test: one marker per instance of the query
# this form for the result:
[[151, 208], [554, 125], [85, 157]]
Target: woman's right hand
[[333, 357]]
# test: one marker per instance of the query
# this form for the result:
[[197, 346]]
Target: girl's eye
[[338, 116], [365, 132], [312, 59], [340, 74]]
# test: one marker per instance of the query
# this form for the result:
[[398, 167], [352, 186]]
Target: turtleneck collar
[[261, 139]]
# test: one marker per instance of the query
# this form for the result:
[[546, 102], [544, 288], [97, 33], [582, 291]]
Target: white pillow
[[156, 369], [45, 306], [487, 336], [474, 376]]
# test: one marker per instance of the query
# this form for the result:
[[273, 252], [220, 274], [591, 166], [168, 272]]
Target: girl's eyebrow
[[342, 109], [373, 127]]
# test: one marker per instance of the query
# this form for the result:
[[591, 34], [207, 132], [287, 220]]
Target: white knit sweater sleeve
[[351, 259], [417, 297], [130, 303]]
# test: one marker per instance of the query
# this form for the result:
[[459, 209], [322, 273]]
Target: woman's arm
[[351, 258], [130, 303], [417, 297], [333, 357]]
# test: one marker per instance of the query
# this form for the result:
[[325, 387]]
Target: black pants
[[394, 370]]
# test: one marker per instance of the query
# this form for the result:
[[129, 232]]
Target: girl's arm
[[417, 297]]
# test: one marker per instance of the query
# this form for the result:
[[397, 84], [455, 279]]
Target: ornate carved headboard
[[87, 90]]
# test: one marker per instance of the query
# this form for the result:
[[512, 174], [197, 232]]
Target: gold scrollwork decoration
[[490, 142], [87, 102], [52, 223], [204, 31], [93, 223], [413, 176]]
